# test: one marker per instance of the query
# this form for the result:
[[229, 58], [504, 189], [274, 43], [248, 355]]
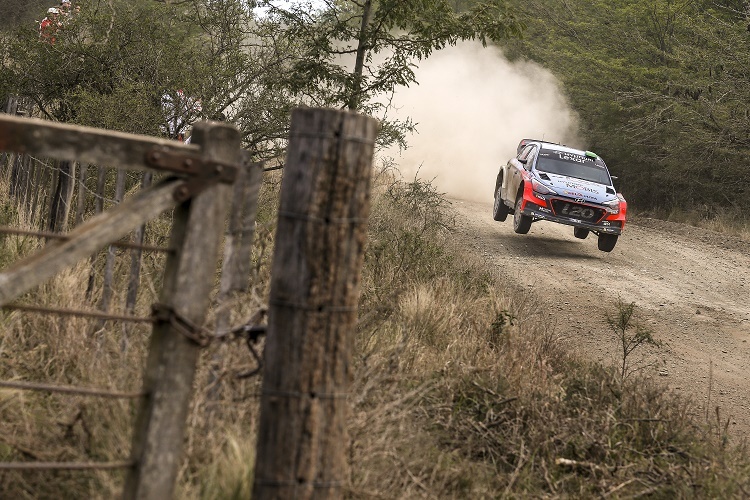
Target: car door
[[514, 173]]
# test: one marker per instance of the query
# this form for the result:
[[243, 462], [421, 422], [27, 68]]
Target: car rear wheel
[[521, 222], [607, 242], [499, 210], [580, 232]]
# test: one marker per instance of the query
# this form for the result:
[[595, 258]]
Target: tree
[[355, 53], [660, 87], [113, 63]]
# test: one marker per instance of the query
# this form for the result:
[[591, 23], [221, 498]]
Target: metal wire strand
[[66, 465], [70, 389]]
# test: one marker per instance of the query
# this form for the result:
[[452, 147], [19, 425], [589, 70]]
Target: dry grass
[[461, 388], [464, 392], [732, 222]]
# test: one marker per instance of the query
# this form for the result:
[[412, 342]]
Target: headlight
[[613, 206], [540, 188]]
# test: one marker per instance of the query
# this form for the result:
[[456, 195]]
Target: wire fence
[[118, 272], [106, 305]]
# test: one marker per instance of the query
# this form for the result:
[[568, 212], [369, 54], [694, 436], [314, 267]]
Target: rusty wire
[[66, 465], [250, 332], [70, 389], [76, 312], [65, 237]]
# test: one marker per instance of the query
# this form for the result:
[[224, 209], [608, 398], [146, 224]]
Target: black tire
[[607, 242], [580, 232], [500, 209], [521, 222]]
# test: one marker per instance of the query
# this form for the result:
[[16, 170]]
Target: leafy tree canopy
[[111, 65], [661, 89], [355, 53]]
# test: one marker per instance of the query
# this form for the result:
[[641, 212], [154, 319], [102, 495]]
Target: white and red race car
[[552, 182]]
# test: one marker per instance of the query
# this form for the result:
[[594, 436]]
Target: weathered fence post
[[173, 354], [62, 194], [135, 256], [325, 197], [235, 272], [238, 242]]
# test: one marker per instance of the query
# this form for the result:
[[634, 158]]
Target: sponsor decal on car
[[579, 187]]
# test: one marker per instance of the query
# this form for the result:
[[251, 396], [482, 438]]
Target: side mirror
[[615, 182]]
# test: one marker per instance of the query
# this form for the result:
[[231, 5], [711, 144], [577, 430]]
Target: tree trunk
[[359, 64], [30, 166], [15, 169], [109, 264], [81, 199], [39, 187], [101, 181]]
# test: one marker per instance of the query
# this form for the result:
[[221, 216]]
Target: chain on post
[[250, 332]]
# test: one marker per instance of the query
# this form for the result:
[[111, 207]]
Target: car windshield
[[572, 165]]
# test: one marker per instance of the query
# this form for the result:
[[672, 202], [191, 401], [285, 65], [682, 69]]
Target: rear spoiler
[[524, 142]]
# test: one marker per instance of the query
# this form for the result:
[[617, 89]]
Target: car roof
[[558, 147]]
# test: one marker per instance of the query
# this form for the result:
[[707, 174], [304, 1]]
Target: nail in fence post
[[325, 200], [171, 364]]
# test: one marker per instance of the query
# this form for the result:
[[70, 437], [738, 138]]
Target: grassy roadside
[[464, 392], [461, 389], [728, 222]]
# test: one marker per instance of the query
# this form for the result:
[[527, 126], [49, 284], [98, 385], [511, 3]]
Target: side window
[[525, 153], [530, 159]]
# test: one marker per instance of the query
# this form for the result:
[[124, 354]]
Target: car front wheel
[[607, 242], [499, 210], [580, 232], [521, 222]]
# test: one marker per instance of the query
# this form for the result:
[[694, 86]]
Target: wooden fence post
[[325, 198], [136, 255], [235, 272], [171, 364], [238, 241]]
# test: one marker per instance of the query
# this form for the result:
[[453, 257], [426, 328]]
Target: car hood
[[578, 188]]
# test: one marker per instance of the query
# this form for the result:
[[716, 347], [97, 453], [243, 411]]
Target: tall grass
[[461, 388]]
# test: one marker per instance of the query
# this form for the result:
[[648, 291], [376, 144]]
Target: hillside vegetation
[[661, 88]]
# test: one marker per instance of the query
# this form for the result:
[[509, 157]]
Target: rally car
[[552, 182]]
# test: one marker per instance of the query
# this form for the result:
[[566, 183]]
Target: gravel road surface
[[691, 287]]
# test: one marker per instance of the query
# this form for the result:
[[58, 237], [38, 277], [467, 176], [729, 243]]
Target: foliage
[[112, 64], [660, 88], [360, 52], [17, 12], [630, 335]]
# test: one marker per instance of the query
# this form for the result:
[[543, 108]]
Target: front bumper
[[543, 208]]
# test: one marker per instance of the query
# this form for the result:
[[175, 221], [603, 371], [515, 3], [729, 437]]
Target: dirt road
[[691, 287]]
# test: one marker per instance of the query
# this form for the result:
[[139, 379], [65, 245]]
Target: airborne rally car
[[552, 182]]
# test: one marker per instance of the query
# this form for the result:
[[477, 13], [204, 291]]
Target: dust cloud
[[471, 108]]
